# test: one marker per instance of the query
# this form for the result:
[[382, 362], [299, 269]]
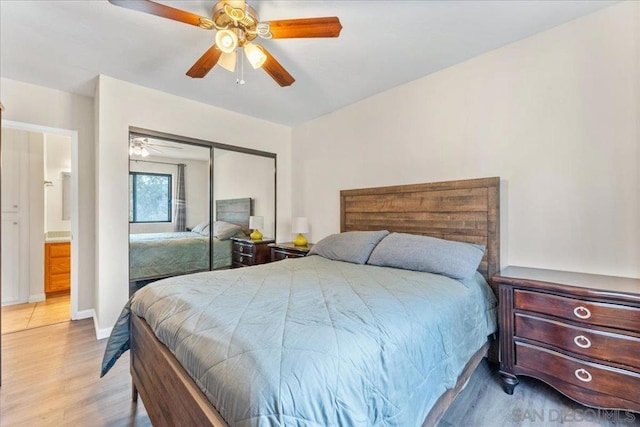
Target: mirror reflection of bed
[[157, 255], [174, 229]]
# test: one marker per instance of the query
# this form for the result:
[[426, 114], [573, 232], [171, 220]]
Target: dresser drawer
[[243, 258], [602, 345], [590, 376], [279, 254], [59, 250], [593, 313], [59, 265], [59, 282], [243, 249]]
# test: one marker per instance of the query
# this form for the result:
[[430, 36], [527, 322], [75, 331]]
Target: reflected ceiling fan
[[139, 146], [237, 25]]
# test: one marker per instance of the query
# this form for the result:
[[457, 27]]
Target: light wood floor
[[17, 317], [51, 378]]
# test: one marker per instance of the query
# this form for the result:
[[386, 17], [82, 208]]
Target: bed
[[158, 255], [313, 389]]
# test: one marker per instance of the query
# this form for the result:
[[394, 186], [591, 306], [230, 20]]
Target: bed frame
[[235, 211], [466, 210]]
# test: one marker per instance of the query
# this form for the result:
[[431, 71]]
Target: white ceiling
[[66, 44]]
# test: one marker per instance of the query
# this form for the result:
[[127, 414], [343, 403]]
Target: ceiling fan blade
[[276, 71], [205, 63], [305, 28], [153, 8]]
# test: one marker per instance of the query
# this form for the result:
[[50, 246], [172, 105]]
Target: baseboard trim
[[85, 314], [37, 298], [100, 333]]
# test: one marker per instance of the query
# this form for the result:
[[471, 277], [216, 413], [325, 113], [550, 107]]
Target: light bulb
[[226, 40]]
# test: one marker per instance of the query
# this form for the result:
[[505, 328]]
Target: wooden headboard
[[235, 211], [465, 211]]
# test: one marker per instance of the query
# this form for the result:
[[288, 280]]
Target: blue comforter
[[314, 342]]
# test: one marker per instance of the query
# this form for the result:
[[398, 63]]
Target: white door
[[11, 162], [11, 261]]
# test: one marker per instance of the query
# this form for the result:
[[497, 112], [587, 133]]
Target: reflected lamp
[[256, 223]]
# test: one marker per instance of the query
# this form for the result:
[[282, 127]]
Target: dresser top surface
[[292, 246], [599, 284], [264, 240]]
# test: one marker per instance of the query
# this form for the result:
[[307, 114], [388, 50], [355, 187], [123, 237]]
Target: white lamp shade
[[228, 61], [255, 55], [300, 225], [256, 222], [226, 40]]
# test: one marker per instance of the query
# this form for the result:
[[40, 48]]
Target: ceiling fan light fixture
[[144, 152], [255, 55], [228, 61], [226, 40], [235, 13], [206, 23], [264, 30]]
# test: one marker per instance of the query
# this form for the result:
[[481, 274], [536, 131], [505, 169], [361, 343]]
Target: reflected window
[[149, 197]]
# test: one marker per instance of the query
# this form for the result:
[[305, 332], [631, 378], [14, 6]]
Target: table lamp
[[300, 225], [256, 223]]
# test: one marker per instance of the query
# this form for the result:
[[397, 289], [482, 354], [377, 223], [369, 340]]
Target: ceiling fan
[[237, 25], [139, 146]]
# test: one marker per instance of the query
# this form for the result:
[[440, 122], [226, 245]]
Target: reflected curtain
[[181, 206]]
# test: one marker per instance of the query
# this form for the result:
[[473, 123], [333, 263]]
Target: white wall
[[120, 105], [556, 116], [258, 184], [36, 216], [196, 190], [57, 149], [41, 106]]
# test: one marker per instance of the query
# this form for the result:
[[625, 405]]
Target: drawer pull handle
[[241, 259], [582, 312], [582, 341], [583, 375]]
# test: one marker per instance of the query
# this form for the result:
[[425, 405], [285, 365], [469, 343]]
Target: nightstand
[[580, 333], [247, 252], [288, 250]]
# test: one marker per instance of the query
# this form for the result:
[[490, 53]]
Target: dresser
[[287, 250], [57, 267], [247, 252], [580, 333]]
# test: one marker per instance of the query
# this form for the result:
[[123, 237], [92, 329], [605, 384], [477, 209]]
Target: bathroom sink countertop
[[57, 236]]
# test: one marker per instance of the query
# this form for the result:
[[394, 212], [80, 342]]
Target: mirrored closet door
[[168, 208], [188, 200]]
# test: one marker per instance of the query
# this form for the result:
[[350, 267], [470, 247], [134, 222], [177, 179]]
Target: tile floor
[[18, 317]]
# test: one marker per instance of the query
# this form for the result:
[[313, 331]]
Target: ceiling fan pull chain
[[240, 78]]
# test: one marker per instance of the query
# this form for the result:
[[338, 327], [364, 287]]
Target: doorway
[[40, 228]]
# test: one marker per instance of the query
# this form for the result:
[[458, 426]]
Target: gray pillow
[[200, 227], [352, 246], [225, 230], [457, 260]]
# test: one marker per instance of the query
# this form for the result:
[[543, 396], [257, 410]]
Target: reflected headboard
[[235, 211], [465, 211]]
